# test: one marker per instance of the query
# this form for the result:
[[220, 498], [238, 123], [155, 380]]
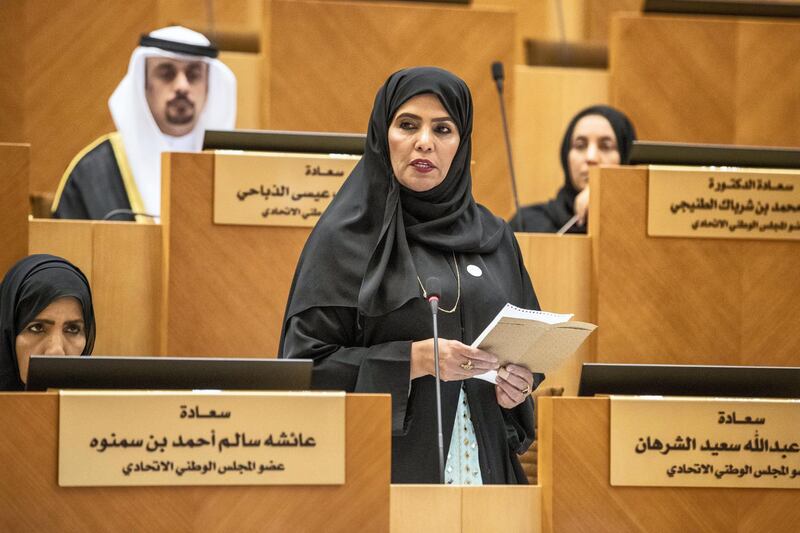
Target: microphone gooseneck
[[499, 77], [434, 291], [129, 212]]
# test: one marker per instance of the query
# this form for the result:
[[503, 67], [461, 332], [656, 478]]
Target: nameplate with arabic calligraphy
[[276, 189], [727, 203], [699, 442], [134, 438]]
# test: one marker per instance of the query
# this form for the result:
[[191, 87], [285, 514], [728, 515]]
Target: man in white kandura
[[174, 90]]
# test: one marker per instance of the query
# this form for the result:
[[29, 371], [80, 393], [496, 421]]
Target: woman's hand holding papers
[[514, 384], [456, 360]]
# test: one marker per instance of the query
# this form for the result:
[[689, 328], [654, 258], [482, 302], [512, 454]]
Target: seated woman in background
[[45, 309], [598, 135]]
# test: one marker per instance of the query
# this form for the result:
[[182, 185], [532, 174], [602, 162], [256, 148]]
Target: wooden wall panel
[[227, 286], [560, 268], [242, 16], [324, 78], [12, 61], [705, 79], [598, 14], [361, 504], [14, 172], [686, 301], [767, 80], [546, 100], [577, 496]]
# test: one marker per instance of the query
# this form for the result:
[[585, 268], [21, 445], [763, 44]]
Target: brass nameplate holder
[[672, 442], [727, 203], [128, 438], [276, 189]]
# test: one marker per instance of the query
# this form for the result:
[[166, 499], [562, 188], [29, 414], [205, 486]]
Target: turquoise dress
[[462, 466]]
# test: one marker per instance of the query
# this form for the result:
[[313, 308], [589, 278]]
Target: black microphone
[[432, 294], [433, 291], [499, 77]]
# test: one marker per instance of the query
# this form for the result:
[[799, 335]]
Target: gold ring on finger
[[468, 365]]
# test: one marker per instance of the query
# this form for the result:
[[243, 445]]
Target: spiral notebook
[[538, 340]]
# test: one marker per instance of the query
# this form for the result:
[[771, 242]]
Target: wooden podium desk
[[577, 496], [675, 300], [225, 287], [465, 509], [31, 500]]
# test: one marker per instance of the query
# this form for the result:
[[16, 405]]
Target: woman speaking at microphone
[[357, 308]]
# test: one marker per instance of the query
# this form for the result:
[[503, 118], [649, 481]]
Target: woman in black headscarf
[[45, 309], [406, 213], [598, 135]]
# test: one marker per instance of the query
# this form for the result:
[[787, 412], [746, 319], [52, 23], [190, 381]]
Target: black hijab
[[29, 287], [358, 254], [562, 208]]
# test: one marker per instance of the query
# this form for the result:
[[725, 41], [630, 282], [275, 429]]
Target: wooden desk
[[686, 301], [465, 509], [31, 500], [577, 496]]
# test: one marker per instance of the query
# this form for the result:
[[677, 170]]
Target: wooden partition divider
[[724, 80], [560, 268], [577, 497], [14, 207], [686, 301], [31, 500], [225, 287], [465, 509], [326, 61], [122, 261], [247, 69], [546, 99]]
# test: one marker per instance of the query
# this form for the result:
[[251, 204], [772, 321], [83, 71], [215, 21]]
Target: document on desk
[[538, 340]]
